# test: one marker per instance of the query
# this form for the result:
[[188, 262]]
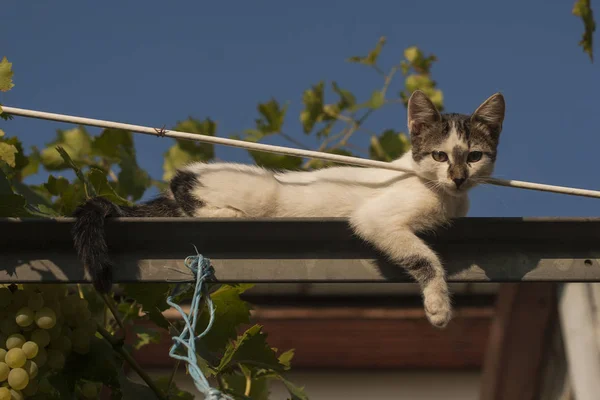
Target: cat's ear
[[491, 113], [421, 112]]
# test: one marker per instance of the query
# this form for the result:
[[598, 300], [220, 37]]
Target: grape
[[54, 306], [19, 298], [4, 370], [45, 386], [4, 394], [15, 341], [89, 390], [9, 326], [41, 357], [16, 395], [2, 354], [15, 358], [55, 332], [45, 318], [63, 344], [31, 388], [41, 337], [56, 359], [30, 349], [31, 368], [36, 301], [24, 317], [18, 378], [69, 305], [5, 297]]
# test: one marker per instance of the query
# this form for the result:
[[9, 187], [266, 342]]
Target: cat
[[450, 154]]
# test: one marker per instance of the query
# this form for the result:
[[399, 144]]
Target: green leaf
[[20, 160], [76, 143], [6, 75], [230, 313], [153, 299], [133, 181], [583, 10], [187, 151], [33, 163], [285, 358], [145, 335], [56, 186], [259, 388], [11, 204], [7, 153], [389, 146], [296, 392], [134, 390], [347, 99], [377, 99], [111, 143], [272, 117], [34, 195], [276, 161], [103, 188], [170, 388], [371, 58], [313, 107], [101, 364], [251, 349]]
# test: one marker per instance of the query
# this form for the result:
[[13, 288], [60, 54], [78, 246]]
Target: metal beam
[[304, 250]]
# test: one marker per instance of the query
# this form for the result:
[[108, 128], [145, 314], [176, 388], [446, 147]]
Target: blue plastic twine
[[203, 271]]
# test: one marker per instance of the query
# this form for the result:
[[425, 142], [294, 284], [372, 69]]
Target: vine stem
[[114, 311], [117, 346]]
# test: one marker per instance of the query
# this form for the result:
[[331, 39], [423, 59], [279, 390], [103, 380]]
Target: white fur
[[386, 208]]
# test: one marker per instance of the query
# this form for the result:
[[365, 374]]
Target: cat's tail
[[90, 242], [89, 237]]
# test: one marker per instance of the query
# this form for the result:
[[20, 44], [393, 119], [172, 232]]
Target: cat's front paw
[[438, 308]]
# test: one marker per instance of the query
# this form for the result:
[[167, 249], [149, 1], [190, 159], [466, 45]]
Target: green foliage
[[583, 10], [105, 164], [185, 151]]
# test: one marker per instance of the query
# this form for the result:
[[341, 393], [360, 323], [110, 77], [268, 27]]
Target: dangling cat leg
[[409, 251]]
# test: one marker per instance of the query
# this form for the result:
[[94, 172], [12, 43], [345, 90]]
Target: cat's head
[[454, 151]]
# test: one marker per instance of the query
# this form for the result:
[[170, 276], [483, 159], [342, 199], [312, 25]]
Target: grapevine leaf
[[11, 204], [170, 388], [251, 349], [35, 195], [296, 392], [259, 389], [153, 299], [389, 146], [313, 107], [134, 390], [20, 160], [6, 75], [271, 118], [583, 10], [56, 186], [133, 181], [230, 313], [371, 58], [33, 163], [102, 187], [347, 99], [7, 153], [76, 143], [377, 99], [111, 142], [277, 161], [145, 335], [1, 131], [285, 358], [5, 116], [103, 368], [187, 151]]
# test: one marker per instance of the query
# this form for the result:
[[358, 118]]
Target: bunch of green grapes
[[40, 325]]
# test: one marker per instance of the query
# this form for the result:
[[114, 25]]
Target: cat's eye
[[439, 156], [474, 156]]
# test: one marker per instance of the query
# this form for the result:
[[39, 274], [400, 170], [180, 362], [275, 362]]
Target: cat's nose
[[459, 181]]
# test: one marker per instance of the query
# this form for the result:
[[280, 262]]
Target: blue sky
[[156, 62]]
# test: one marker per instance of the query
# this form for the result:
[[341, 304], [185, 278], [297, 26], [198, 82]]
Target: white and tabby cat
[[450, 154]]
